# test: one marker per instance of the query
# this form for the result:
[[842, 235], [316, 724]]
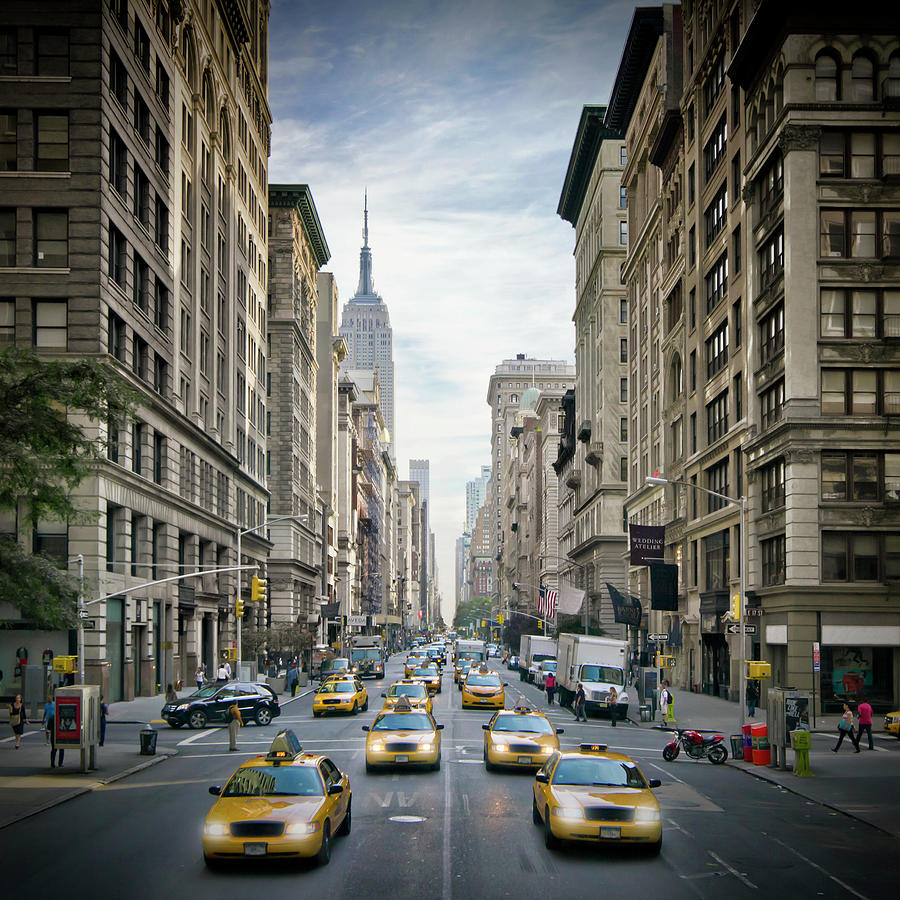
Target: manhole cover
[[407, 819]]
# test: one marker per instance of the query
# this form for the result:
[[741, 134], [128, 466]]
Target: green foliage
[[44, 453], [575, 625], [43, 593], [472, 612]]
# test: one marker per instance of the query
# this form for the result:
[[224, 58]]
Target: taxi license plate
[[610, 832], [524, 759], [401, 757], [255, 849]]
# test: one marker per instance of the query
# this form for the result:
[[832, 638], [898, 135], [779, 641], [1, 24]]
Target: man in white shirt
[[222, 674]]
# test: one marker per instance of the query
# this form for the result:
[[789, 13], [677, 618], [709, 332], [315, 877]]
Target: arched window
[[225, 136], [828, 86], [190, 58], [892, 88], [676, 379], [514, 398], [208, 100], [862, 79]]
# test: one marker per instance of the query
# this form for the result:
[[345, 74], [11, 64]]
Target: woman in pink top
[[864, 711]]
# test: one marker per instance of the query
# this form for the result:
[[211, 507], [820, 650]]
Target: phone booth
[[77, 722]]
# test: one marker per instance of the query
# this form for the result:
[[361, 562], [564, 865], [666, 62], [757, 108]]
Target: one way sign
[[735, 628]]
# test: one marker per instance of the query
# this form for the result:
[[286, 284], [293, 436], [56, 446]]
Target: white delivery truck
[[534, 648], [599, 664], [367, 655]]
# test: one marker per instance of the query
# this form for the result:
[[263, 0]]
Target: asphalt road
[[458, 833]]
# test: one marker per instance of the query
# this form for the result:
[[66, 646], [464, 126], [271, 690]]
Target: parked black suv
[[209, 705]]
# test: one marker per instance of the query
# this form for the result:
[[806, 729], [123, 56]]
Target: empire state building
[[366, 327]]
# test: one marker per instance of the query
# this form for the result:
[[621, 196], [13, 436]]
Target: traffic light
[[736, 606], [540, 625], [239, 608], [228, 654], [500, 618], [257, 590]]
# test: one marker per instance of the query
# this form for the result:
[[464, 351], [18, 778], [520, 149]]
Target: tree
[[45, 453]]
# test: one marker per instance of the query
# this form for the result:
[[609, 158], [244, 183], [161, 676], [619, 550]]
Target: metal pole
[[237, 618], [741, 604], [81, 612]]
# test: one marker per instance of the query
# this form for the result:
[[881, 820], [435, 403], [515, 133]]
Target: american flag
[[547, 602]]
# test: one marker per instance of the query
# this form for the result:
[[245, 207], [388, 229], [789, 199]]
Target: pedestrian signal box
[[67, 665], [228, 654], [758, 669], [665, 662]]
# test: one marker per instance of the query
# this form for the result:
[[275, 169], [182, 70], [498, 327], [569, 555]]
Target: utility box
[[77, 721], [65, 665], [665, 662], [759, 669], [788, 711]]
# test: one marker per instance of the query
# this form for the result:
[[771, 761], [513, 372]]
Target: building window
[[859, 476], [717, 557], [860, 233], [623, 197], [8, 51], [714, 150], [115, 337], [717, 350], [160, 375], [7, 323], [771, 260], [161, 225], [623, 429], [141, 285], [860, 392], [771, 185], [118, 160], [623, 233], [717, 480], [161, 306], [772, 485], [141, 44], [141, 118], [860, 556], [51, 539], [118, 256], [717, 417], [112, 443], [140, 357], [692, 186], [736, 249], [51, 239], [8, 145], [51, 324], [862, 79], [623, 312], [692, 247], [772, 560], [860, 313], [159, 457], [736, 179], [713, 85], [52, 54], [716, 214], [623, 350], [737, 385], [7, 237], [716, 281], [771, 334], [118, 79], [162, 83], [138, 433], [623, 390], [772, 404], [623, 156], [828, 84], [162, 152], [185, 331], [859, 154], [51, 142]]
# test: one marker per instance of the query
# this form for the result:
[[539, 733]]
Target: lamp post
[[240, 534], [741, 503]]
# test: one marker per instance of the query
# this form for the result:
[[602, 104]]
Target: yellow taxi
[[403, 736], [483, 689], [429, 676], [340, 695], [892, 723], [413, 661], [519, 737], [288, 803], [594, 795], [414, 691], [461, 669]]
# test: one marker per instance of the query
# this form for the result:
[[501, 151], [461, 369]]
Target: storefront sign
[[817, 658], [647, 544]]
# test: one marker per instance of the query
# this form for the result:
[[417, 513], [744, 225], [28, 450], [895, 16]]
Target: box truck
[[533, 648], [599, 664], [367, 655]]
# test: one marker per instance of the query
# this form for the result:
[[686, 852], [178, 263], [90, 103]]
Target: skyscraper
[[419, 471], [476, 491], [366, 327]]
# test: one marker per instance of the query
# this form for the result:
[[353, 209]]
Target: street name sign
[[735, 628], [658, 637]]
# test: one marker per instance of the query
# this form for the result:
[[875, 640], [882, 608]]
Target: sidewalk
[[864, 786]]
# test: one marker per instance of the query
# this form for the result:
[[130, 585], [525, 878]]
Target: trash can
[[748, 742], [737, 746], [762, 755], [801, 743], [646, 714], [148, 741]]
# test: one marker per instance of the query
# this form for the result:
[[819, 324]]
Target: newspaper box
[[77, 721]]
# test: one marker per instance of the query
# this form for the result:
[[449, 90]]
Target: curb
[[87, 789], [760, 776]]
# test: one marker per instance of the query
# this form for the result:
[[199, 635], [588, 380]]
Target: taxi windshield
[[607, 674], [340, 687], [534, 724], [403, 722], [407, 690], [483, 680], [425, 671], [272, 781], [599, 772]]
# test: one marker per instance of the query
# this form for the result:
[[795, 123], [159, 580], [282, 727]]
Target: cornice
[[299, 198]]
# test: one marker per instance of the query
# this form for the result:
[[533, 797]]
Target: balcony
[[594, 454], [584, 432], [573, 479]]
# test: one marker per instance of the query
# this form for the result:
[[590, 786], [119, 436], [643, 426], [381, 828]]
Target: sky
[[458, 118]]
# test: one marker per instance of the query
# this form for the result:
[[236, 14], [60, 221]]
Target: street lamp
[[741, 503], [240, 534]]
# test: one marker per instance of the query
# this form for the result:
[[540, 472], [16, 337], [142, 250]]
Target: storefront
[[849, 673]]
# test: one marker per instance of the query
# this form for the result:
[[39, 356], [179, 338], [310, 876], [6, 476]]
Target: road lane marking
[[667, 773], [742, 878], [684, 831], [447, 880], [197, 736], [816, 866]]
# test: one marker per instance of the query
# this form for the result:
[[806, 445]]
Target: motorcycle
[[696, 746]]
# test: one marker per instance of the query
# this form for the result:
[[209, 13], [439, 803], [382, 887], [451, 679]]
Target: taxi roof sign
[[403, 704], [285, 747], [593, 748]]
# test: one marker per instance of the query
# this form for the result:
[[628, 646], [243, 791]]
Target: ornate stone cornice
[[799, 137]]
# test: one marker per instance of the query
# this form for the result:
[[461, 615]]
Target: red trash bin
[[748, 742], [759, 737]]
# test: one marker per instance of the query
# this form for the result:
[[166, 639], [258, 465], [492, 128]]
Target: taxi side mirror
[[365, 728], [486, 727], [335, 789], [383, 694], [654, 782], [505, 684], [215, 790], [541, 777], [439, 727], [560, 730]]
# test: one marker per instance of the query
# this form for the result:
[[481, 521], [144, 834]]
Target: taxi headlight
[[646, 814], [425, 748], [215, 829], [377, 747], [544, 749], [501, 748], [303, 828], [567, 812]]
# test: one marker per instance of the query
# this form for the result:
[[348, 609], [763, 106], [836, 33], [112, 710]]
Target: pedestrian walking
[[104, 712], [52, 734], [845, 729], [234, 723], [612, 704], [49, 713], [550, 687], [198, 676], [18, 718], [221, 674], [293, 679], [752, 696], [864, 711], [580, 703], [227, 666], [171, 695]]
